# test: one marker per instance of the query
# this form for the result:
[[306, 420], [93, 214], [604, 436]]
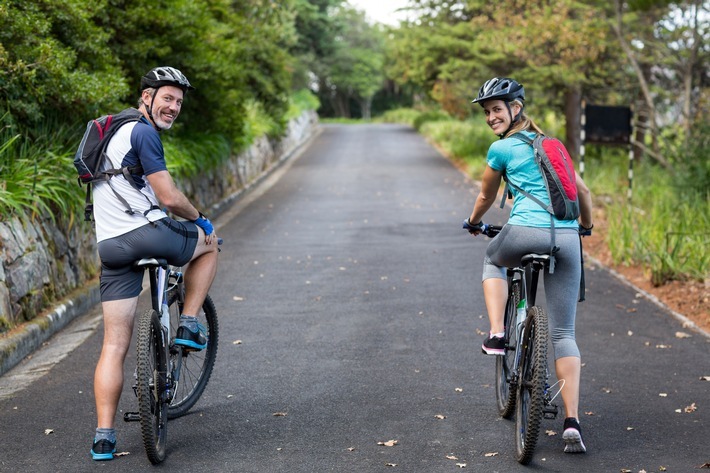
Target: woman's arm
[[585, 203], [489, 192]]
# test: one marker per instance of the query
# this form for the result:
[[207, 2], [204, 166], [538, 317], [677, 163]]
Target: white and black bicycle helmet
[[501, 88], [160, 76]]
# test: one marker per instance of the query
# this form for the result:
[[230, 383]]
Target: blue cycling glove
[[205, 224], [472, 227]]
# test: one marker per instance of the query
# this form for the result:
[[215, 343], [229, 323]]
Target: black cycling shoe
[[103, 450], [573, 436], [493, 346], [189, 339]]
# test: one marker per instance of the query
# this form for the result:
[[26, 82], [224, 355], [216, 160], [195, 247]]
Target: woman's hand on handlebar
[[473, 228]]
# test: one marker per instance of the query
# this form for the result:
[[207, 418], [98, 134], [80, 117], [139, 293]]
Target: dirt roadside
[[688, 298]]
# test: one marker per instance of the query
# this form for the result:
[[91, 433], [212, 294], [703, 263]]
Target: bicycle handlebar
[[485, 228]]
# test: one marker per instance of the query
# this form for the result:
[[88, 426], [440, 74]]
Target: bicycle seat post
[[533, 263]]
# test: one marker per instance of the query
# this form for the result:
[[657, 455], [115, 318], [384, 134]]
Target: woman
[[528, 231]]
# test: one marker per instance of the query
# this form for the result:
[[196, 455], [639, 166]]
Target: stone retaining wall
[[42, 261]]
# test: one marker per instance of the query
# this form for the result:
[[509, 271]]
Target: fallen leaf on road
[[691, 408], [389, 443], [682, 335], [491, 454], [48, 431], [662, 468], [550, 433]]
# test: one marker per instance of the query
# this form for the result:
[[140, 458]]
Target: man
[[144, 230]]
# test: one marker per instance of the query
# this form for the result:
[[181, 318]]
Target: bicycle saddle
[[150, 263], [529, 258]]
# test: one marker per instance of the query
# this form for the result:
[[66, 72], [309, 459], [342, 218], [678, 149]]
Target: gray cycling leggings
[[561, 287]]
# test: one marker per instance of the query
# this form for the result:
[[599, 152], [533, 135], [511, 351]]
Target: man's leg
[[199, 274], [108, 378]]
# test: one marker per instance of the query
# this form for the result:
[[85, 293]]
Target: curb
[[25, 339]]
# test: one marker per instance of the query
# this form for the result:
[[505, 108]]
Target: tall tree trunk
[[643, 83], [366, 108], [573, 118]]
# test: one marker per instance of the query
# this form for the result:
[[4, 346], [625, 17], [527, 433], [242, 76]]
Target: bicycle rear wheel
[[505, 385], [151, 386], [191, 369], [531, 402]]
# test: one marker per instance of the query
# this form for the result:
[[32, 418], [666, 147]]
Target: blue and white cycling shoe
[[189, 339]]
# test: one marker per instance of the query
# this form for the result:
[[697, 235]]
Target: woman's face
[[497, 115]]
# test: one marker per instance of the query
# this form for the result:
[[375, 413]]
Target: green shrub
[[430, 116], [406, 116], [301, 101]]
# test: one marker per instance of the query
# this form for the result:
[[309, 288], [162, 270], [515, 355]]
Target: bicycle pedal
[[131, 417], [550, 411]]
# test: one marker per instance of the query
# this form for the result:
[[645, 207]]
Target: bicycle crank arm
[[131, 417]]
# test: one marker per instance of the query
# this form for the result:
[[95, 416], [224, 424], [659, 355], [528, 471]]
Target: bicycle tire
[[531, 402], [195, 367], [505, 385], [151, 382]]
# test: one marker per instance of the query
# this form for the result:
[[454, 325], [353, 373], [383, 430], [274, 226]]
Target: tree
[[55, 61], [355, 70]]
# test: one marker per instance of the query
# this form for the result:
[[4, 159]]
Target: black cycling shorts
[[166, 238]]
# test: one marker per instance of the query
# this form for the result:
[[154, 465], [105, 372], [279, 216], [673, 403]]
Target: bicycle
[[169, 378], [522, 374]]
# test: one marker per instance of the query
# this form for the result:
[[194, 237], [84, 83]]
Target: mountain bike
[[522, 374], [169, 378]]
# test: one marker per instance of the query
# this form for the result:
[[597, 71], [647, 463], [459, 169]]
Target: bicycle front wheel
[[505, 384], [531, 386], [151, 386], [191, 369]]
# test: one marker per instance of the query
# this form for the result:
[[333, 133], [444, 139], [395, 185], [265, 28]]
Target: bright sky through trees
[[382, 11]]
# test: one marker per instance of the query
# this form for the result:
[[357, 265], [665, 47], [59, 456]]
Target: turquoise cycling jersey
[[515, 158]]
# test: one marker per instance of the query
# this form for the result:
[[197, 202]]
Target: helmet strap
[[513, 120], [149, 109]]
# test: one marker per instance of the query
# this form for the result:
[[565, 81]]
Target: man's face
[[166, 105]]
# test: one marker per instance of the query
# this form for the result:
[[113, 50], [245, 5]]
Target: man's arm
[[170, 196]]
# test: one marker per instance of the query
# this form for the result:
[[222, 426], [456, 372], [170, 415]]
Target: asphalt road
[[350, 306]]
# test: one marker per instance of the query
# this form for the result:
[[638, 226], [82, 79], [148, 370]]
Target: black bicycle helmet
[[160, 76], [500, 89]]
